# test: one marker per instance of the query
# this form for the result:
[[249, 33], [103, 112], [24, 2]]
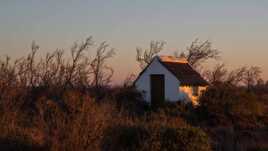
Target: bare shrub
[[247, 76], [99, 69], [130, 101], [129, 80], [230, 106], [85, 130], [251, 76], [141, 138], [199, 52], [217, 74], [41, 100], [144, 57], [54, 70]]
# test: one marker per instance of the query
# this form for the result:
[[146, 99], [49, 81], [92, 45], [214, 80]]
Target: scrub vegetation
[[67, 103]]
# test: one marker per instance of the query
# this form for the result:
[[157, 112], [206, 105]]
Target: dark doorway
[[157, 89]]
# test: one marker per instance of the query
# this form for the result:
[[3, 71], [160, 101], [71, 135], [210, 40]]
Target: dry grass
[[87, 123]]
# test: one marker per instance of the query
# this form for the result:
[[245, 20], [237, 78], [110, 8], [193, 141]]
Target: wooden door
[[157, 89]]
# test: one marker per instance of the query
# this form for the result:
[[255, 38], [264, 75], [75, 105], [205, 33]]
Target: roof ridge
[[173, 59]]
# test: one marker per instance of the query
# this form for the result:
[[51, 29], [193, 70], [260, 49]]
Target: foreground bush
[[121, 138], [230, 106], [130, 101], [75, 121], [233, 118]]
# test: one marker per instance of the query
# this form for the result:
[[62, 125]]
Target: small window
[[195, 91]]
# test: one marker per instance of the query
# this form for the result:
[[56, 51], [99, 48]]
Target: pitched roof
[[183, 71]]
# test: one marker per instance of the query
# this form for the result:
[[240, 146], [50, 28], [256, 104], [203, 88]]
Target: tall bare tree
[[77, 55], [251, 76], [217, 74], [129, 80], [260, 84], [236, 76], [31, 63], [102, 73], [248, 76], [145, 56], [199, 51]]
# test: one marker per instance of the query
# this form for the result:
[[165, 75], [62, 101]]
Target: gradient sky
[[238, 28]]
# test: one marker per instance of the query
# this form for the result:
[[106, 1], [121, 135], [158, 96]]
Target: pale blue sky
[[239, 28]]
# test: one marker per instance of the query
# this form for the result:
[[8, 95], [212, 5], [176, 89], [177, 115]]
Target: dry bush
[[52, 128], [129, 101], [248, 77], [145, 56], [233, 118], [51, 104], [55, 71], [16, 132], [154, 137], [84, 130], [41, 101], [199, 52], [225, 105], [87, 125]]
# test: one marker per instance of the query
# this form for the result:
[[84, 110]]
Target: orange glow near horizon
[[238, 29]]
